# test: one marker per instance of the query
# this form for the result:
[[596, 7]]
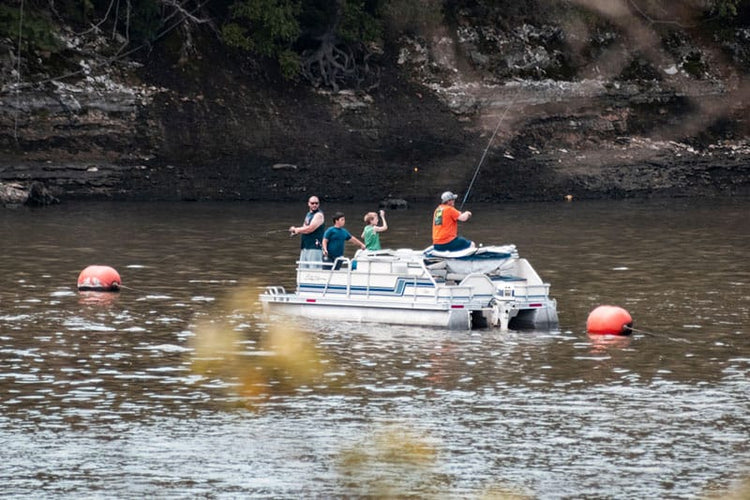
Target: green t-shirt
[[372, 239]]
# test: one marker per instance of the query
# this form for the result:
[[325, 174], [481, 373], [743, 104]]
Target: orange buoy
[[99, 279], [609, 320]]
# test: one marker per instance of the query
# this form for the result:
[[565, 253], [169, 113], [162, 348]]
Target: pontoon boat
[[476, 288]]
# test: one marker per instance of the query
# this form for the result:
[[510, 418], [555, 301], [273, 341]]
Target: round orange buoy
[[99, 279], [609, 320]]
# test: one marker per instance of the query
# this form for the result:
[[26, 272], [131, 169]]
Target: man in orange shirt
[[445, 225]]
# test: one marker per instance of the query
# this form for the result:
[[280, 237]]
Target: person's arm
[[384, 227], [464, 216], [325, 246], [315, 223], [355, 240]]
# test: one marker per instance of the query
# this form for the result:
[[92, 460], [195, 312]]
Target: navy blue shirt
[[314, 239]]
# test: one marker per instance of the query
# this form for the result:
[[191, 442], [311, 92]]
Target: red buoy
[[99, 279], [609, 320]]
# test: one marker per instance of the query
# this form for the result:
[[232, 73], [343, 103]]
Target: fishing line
[[18, 75], [133, 289], [651, 334], [489, 143], [274, 231]]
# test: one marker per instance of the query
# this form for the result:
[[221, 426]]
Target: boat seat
[[455, 277], [507, 278]]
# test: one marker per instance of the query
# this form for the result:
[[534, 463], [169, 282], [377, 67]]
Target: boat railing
[[412, 274], [275, 290], [336, 266], [466, 293], [524, 292], [535, 291]]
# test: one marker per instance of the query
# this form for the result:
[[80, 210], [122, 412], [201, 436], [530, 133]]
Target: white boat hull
[[441, 317]]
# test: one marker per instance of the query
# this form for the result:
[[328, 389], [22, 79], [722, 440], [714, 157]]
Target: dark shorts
[[454, 245], [331, 263]]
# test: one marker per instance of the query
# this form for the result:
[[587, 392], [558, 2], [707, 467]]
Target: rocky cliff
[[528, 107]]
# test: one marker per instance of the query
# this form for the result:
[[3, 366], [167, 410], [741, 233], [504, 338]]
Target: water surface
[[101, 394]]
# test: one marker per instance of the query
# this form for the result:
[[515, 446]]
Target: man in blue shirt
[[335, 237]]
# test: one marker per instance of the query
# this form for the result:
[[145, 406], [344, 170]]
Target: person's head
[[371, 218], [338, 219], [448, 198], [313, 203]]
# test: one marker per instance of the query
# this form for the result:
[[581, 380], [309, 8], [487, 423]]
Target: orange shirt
[[444, 224]]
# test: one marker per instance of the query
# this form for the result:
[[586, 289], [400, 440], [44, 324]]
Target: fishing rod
[[484, 154]]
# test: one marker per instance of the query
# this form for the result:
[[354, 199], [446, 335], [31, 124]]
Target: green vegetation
[[37, 31], [330, 43], [268, 28], [322, 40], [726, 8]]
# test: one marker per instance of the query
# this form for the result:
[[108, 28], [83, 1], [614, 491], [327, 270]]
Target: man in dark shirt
[[311, 232]]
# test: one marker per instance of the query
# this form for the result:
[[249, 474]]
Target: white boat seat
[[506, 278]]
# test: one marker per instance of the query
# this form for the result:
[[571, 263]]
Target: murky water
[[106, 395]]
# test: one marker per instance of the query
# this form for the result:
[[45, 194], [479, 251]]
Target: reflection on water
[[121, 394]]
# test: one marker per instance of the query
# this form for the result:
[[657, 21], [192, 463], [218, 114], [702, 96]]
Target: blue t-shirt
[[337, 237]]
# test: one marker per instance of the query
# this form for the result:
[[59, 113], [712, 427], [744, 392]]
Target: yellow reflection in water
[[397, 462], [740, 491], [392, 462], [283, 359]]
